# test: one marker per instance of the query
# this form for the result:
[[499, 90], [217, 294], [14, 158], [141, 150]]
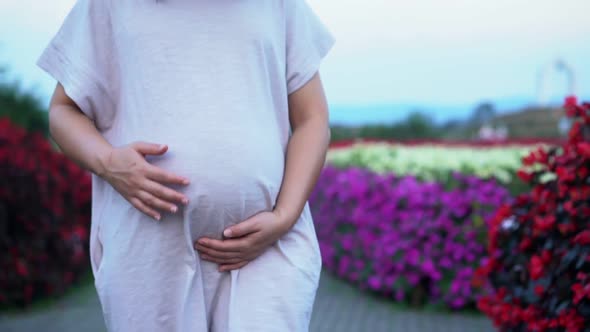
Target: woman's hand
[[140, 182], [245, 241], [125, 168], [306, 153]]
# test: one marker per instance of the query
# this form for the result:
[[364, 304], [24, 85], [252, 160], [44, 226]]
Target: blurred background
[[442, 99]]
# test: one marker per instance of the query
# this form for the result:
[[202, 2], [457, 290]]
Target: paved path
[[339, 307]]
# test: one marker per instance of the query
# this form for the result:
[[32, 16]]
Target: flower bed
[[44, 218], [434, 162], [539, 247], [410, 240]]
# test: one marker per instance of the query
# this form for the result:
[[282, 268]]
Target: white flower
[[509, 223], [433, 161]]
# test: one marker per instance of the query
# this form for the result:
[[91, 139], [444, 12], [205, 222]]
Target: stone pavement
[[338, 308]]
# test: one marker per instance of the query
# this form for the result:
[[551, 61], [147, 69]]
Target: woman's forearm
[[77, 137], [124, 168], [306, 154]]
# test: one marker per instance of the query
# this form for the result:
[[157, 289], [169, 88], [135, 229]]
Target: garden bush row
[[44, 217], [538, 273]]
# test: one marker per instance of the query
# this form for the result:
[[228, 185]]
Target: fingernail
[[185, 201], [227, 232], [202, 242], [186, 181], [157, 217], [173, 209]]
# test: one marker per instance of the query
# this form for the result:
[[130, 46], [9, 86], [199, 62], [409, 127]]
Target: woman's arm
[[76, 134], [125, 168], [306, 153]]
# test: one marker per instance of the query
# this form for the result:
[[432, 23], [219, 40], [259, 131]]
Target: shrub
[[44, 217], [22, 107], [410, 240], [539, 247]]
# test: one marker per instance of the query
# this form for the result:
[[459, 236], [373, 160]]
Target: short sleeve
[[81, 57], [308, 42]]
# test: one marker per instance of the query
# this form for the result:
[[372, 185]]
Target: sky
[[450, 54]]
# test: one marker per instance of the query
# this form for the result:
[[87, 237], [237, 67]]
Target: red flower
[[539, 290], [9, 133], [584, 149], [545, 223], [583, 237], [572, 109], [571, 101], [583, 173], [571, 320], [538, 155], [524, 176], [575, 134], [21, 268], [566, 228], [536, 267], [569, 207], [530, 314], [546, 256], [577, 194], [539, 325], [565, 173], [525, 244], [580, 292]]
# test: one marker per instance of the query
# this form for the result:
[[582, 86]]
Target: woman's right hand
[[141, 183]]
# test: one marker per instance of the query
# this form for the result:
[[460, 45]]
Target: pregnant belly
[[231, 180]]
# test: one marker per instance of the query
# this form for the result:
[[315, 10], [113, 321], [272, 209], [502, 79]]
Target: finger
[[216, 253], [241, 229], [164, 192], [238, 245], [138, 204], [159, 175], [220, 260], [230, 267], [155, 202], [146, 148]]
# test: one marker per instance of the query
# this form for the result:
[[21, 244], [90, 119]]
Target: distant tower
[[544, 84]]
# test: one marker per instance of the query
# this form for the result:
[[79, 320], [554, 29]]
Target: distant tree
[[23, 107], [482, 114], [452, 124], [343, 133], [376, 131], [419, 126], [453, 129]]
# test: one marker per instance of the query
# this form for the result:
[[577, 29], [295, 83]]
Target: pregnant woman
[[205, 126]]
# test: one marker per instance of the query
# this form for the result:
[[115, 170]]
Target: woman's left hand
[[244, 241]]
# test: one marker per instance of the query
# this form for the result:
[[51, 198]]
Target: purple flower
[[374, 282], [394, 234]]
